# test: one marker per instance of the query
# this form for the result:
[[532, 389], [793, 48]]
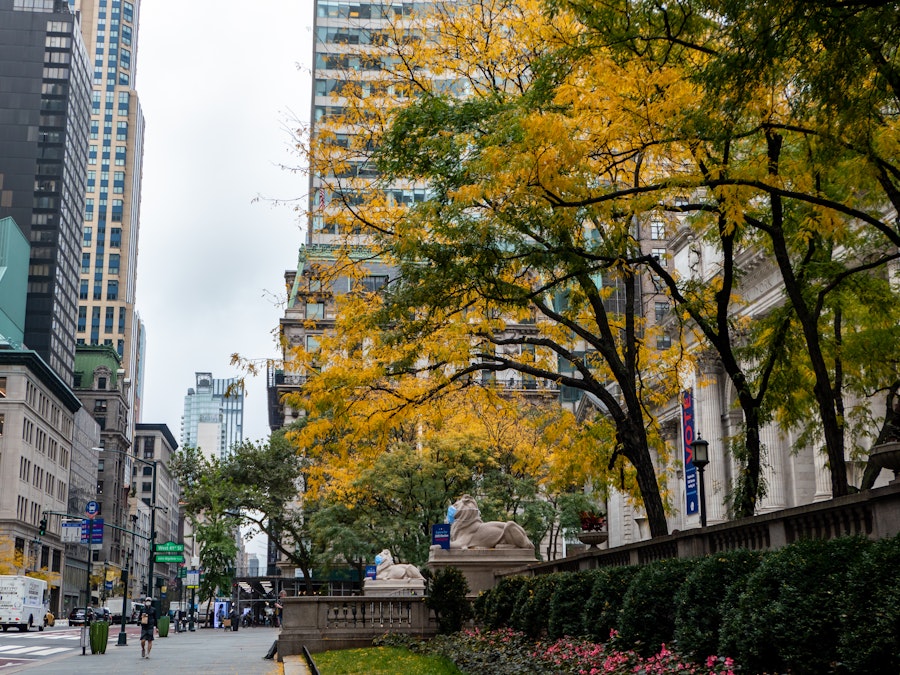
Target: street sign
[[169, 547], [167, 558], [92, 509], [92, 531], [71, 532], [193, 579], [182, 572]]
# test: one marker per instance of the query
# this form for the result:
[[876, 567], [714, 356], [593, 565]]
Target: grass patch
[[382, 661]]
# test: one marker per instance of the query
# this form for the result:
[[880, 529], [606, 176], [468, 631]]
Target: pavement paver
[[202, 651]]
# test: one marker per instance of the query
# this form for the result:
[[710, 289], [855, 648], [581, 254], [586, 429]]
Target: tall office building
[[213, 418], [111, 216], [44, 108]]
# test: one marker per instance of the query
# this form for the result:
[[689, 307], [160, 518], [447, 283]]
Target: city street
[[58, 650]]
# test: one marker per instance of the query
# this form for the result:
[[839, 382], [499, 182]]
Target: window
[[312, 343], [82, 313], [657, 229], [147, 470], [112, 293], [100, 464], [99, 487], [374, 283], [663, 341], [2, 387], [660, 255], [660, 310], [85, 263], [315, 310], [121, 131], [115, 237], [113, 263]]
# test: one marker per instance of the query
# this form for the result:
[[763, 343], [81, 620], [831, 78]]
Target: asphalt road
[[58, 650]]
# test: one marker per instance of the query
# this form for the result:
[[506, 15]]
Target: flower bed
[[507, 652]]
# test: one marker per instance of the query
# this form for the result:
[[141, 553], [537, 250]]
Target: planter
[[162, 626], [593, 537], [887, 456]]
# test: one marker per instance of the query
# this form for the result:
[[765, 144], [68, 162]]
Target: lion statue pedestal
[[394, 578], [480, 550]]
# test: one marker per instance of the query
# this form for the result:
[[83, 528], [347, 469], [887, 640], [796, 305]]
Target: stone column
[[711, 427], [773, 469]]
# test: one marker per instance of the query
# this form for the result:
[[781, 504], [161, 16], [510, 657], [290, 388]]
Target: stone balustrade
[[324, 622]]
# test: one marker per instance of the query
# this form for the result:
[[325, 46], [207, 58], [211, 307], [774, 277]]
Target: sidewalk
[[203, 651]]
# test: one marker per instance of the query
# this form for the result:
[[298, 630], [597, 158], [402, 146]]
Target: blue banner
[[688, 425], [440, 535]]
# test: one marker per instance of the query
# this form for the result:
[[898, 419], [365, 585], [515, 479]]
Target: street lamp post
[[123, 638], [700, 458]]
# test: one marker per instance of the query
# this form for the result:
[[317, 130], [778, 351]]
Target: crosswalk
[[19, 648]]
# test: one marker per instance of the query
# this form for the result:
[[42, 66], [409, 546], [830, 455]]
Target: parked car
[[76, 616]]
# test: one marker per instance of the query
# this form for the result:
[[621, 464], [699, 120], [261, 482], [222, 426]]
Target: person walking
[[148, 621]]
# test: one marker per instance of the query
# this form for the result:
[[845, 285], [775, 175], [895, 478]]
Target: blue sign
[[92, 531], [370, 571], [688, 424], [440, 535], [92, 509]]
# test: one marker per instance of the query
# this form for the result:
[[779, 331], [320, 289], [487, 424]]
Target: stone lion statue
[[467, 530], [387, 570]]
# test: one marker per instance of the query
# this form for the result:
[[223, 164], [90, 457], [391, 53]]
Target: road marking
[[37, 650]]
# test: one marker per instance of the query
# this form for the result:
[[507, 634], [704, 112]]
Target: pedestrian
[[148, 623], [221, 617]]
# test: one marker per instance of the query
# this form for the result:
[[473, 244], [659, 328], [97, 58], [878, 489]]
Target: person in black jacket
[[148, 622]]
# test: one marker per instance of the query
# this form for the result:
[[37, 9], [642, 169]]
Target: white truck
[[23, 602]]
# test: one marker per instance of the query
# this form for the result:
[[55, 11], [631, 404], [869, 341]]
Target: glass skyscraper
[[44, 107], [213, 418]]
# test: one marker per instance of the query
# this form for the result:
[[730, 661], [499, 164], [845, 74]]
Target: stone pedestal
[[480, 566], [394, 587]]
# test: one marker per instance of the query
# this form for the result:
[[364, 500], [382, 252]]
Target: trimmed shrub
[[447, 598], [870, 636], [494, 607], [711, 586], [530, 615], [787, 618], [647, 618], [567, 605], [601, 611]]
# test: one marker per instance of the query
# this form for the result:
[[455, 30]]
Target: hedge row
[[811, 607]]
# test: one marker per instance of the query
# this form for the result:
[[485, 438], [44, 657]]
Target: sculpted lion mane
[[468, 530], [387, 569]]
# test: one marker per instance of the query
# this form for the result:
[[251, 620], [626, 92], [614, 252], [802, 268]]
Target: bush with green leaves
[[647, 618], [787, 618], [530, 615], [567, 604], [870, 638], [447, 598], [601, 610], [712, 585], [494, 607]]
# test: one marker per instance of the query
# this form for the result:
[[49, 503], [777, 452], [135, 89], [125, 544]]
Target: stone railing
[[322, 623], [872, 513]]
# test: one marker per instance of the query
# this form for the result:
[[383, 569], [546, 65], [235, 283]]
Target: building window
[[659, 255], [660, 310], [112, 293], [663, 341], [2, 387], [146, 486], [315, 310], [374, 283], [657, 229]]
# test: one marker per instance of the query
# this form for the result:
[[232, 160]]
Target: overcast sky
[[219, 83]]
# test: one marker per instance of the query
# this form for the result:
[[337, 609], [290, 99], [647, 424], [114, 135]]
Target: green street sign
[[169, 547], [182, 572], [163, 558]]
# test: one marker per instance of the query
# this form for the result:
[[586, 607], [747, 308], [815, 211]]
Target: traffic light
[[43, 528]]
